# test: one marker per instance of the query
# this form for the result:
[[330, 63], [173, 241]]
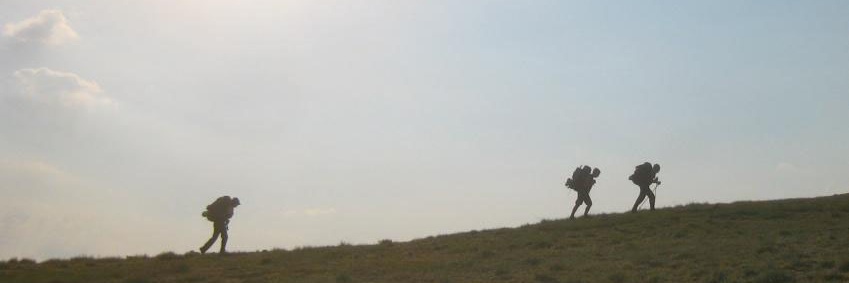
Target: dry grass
[[802, 240]]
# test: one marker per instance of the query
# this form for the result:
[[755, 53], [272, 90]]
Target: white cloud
[[59, 88], [48, 27], [26, 178]]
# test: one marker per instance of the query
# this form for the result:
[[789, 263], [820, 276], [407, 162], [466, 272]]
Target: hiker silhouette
[[644, 175], [582, 181], [219, 212]]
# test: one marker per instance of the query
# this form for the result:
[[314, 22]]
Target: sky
[[356, 121]]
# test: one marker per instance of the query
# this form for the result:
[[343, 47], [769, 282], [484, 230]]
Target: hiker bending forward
[[219, 212], [582, 181], [644, 175]]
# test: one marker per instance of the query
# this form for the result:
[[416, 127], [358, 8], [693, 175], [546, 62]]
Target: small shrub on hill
[[775, 276], [827, 264], [487, 254], [82, 258], [110, 259], [182, 268], [844, 266], [54, 262], [540, 245], [557, 267], [167, 256], [617, 277], [834, 277], [544, 278], [343, 278], [22, 261], [137, 280], [533, 261], [718, 277]]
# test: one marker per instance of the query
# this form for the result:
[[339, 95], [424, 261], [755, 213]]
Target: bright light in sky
[[360, 121]]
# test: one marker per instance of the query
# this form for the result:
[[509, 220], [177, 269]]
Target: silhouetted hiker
[[582, 181], [644, 175], [219, 212]]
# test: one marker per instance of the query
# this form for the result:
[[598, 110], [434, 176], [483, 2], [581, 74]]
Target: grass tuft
[[617, 277], [343, 278], [775, 276], [844, 266], [545, 278], [167, 256]]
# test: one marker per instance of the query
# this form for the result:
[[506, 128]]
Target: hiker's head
[[235, 202], [596, 172], [656, 168], [586, 169]]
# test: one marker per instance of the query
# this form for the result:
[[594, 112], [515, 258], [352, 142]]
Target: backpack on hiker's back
[[644, 174], [582, 178], [576, 180], [219, 210]]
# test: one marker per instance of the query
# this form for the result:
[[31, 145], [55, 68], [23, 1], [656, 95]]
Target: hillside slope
[[798, 240]]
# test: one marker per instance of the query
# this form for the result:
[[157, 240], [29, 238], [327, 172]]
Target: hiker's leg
[[223, 240], [577, 203], [639, 200], [215, 232], [651, 199], [589, 203]]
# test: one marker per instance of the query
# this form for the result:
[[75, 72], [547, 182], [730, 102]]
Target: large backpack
[[579, 178], [217, 210], [643, 174], [573, 182]]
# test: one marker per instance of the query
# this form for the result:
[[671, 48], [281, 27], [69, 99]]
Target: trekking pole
[[654, 191]]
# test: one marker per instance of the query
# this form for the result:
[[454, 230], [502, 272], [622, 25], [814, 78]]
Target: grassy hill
[[797, 240]]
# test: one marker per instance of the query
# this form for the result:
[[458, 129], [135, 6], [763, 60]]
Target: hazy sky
[[358, 121]]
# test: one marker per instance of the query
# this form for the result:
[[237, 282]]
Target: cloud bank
[[51, 87], [49, 27]]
